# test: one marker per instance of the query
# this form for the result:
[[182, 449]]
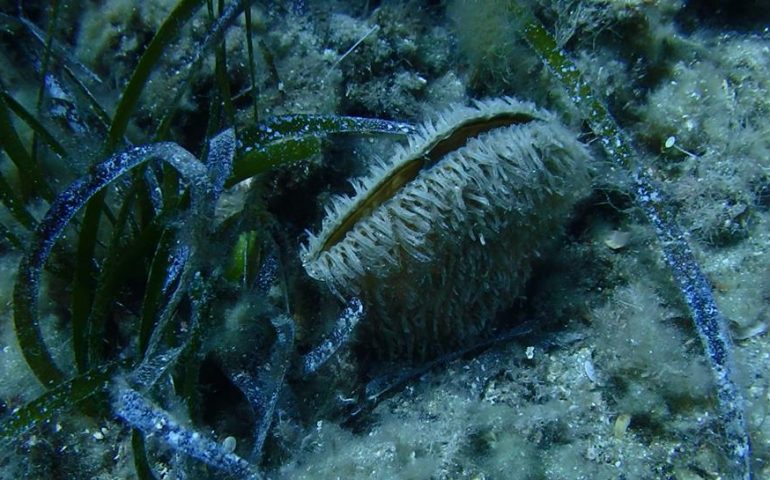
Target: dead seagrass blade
[[440, 237]]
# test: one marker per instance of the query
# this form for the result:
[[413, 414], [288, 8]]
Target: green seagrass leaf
[[141, 74], [63, 209], [290, 138], [35, 125], [31, 178], [56, 400]]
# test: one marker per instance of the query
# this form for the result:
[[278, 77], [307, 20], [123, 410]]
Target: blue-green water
[[605, 376]]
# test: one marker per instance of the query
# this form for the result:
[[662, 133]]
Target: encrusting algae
[[440, 237]]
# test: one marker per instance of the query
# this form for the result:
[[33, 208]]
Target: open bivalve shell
[[440, 237]]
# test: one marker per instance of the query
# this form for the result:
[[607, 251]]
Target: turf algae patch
[[440, 237]]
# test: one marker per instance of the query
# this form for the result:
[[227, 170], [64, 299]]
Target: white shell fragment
[[616, 239]]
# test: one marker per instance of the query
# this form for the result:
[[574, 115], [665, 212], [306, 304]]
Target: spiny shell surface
[[442, 236]]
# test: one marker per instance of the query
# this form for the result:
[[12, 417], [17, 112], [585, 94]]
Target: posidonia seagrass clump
[[442, 236]]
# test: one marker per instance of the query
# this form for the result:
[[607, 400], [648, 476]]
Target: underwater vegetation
[[507, 293]]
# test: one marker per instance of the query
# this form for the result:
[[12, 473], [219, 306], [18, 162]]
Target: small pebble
[[229, 444]]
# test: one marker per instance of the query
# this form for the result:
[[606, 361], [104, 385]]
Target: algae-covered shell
[[440, 237]]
